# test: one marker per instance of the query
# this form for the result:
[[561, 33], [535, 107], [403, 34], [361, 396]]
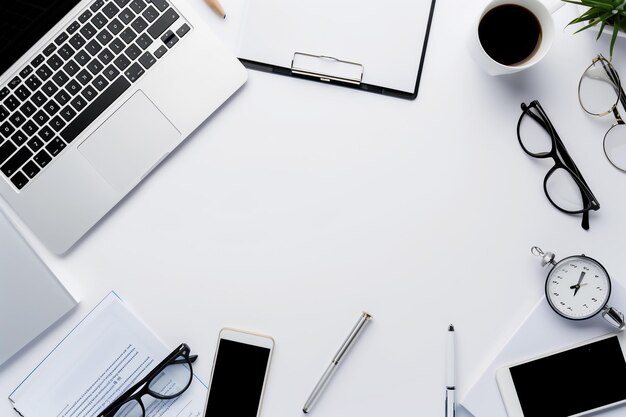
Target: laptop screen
[[24, 22]]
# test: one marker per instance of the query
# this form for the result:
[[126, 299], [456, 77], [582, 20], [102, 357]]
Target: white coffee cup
[[542, 12]]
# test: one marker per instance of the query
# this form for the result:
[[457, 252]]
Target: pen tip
[[304, 410], [451, 328], [224, 16]]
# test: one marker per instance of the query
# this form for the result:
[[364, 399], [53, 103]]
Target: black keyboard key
[[84, 77], [97, 5], [51, 107], [44, 72], [19, 138], [95, 66], [183, 30], [62, 97], [30, 128], [73, 27], [27, 109], [41, 117], [17, 119], [90, 93], [122, 62], [121, 3], [54, 62], [42, 159], [55, 147], [15, 82], [133, 52], [33, 82], [139, 24], [82, 58], [137, 6], [4, 92], [106, 56], [73, 87], [117, 46], [49, 49], [147, 60], [61, 38], [163, 23], [150, 14], [115, 26], [4, 113], [99, 20], [14, 163], [171, 40], [60, 78], [46, 133], [50, 88], [68, 113], [100, 83], [134, 72], [110, 10], [11, 103], [88, 31], [128, 35], [22, 92], [66, 52], [6, 151], [39, 99], [126, 16], [26, 71], [104, 37], [160, 52], [57, 124], [95, 109], [79, 103], [6, 130], [39, 59], [31, 169], [35, 144], [160, 4], [111, 72], [144, 41], [77, 41], [71, 68], [19, 180], [85, 16], [93, 47]]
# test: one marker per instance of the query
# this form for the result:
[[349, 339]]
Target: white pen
[[450, 384]]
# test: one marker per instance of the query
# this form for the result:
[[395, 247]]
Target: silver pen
[[334, 364], [450, 384]]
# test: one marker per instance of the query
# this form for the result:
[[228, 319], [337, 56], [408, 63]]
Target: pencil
[[217, 7]]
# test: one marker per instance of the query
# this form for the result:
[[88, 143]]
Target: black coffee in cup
[[510, 34]]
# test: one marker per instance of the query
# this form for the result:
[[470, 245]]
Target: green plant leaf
[[601, 30], [593, 23], [616, 28], [598, 4]]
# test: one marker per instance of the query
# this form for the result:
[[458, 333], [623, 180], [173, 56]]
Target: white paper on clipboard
[[385, 37]]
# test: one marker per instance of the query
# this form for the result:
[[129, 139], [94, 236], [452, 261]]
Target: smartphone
[[240, 368], [575, 381]]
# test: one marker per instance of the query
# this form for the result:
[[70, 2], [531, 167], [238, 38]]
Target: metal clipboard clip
[[327, 68]]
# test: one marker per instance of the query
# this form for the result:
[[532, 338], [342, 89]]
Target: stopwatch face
[[578, 287]]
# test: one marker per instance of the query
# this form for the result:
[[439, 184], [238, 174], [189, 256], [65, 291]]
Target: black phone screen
[[238, 378], [573, 381]]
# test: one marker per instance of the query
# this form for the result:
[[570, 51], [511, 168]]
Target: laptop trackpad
[[130, 142]]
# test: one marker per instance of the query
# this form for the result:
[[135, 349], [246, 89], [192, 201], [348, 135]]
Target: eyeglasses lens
[[599, 86], [533, 135], [564, 191], [130, 409], [615, 146], [173, 380]]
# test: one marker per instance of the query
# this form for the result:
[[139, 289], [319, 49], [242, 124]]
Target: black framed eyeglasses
[[168, 380], [564, 185]]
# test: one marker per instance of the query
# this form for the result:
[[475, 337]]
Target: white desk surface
[[298, 205]]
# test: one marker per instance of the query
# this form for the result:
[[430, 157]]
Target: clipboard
[[375, 46]]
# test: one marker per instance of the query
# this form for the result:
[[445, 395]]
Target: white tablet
[[574, 381]]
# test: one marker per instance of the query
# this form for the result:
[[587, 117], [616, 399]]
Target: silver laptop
[[31, 298], [93, 95]]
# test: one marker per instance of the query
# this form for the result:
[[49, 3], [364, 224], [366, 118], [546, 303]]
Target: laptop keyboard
[[71, 81]]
